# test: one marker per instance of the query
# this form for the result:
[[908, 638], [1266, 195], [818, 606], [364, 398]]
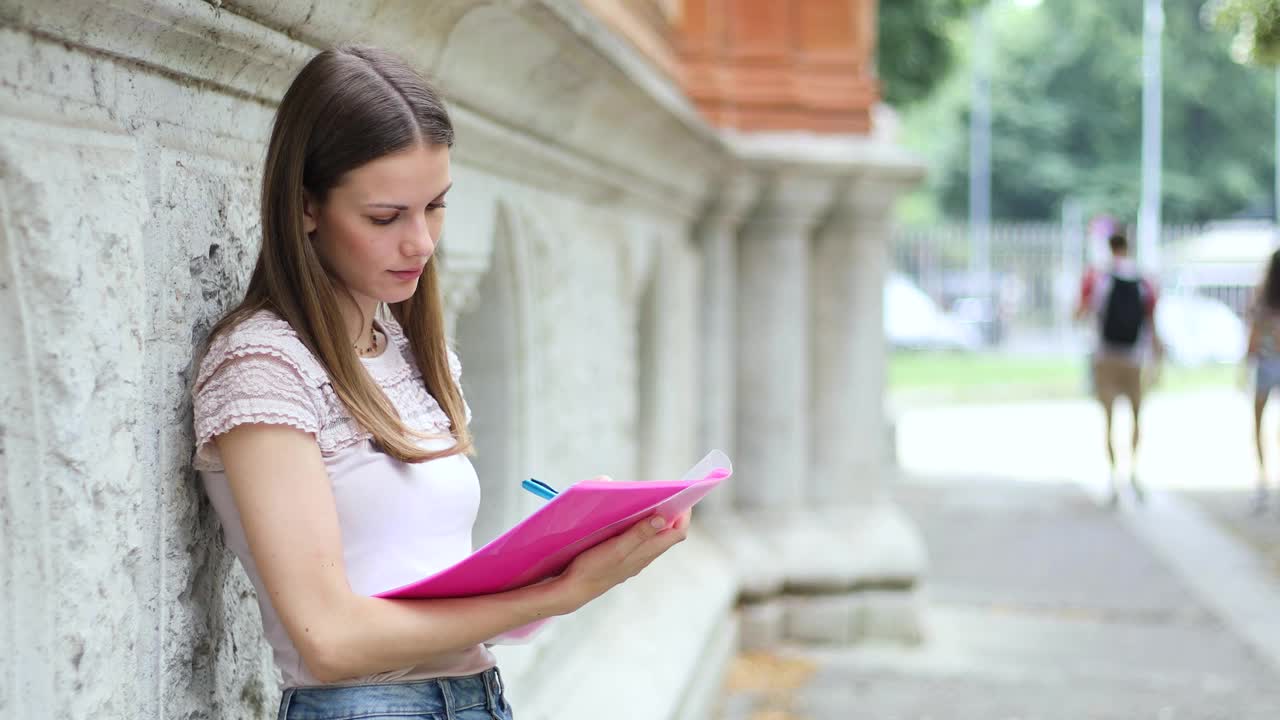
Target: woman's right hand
[[613, 562]]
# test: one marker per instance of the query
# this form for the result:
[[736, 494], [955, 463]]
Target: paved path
[[1044, 604]]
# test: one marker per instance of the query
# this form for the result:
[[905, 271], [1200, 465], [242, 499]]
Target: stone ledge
[[573, 107], [837, 156]]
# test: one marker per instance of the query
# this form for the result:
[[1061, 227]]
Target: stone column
[[873, 541], [667, 402], [777, 543], [850, 263], [773, 344], [717, 232]]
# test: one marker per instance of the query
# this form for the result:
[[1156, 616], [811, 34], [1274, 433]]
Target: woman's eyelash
[[393, 218]]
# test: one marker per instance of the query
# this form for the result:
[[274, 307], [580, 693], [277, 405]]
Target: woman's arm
[[281, 489]]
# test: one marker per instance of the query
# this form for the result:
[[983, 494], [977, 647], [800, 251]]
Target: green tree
[[1256, 24], [915, 47], [1066, 104]]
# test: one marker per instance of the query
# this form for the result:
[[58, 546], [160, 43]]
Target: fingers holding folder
[[613, 562]]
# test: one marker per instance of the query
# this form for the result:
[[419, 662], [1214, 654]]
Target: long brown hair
[[349, 106], [1269, 295]]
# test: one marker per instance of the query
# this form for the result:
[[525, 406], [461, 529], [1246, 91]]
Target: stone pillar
[[773, 344], [717, 232], [667, 400], [776, 544], [850, 263], [873, 542]]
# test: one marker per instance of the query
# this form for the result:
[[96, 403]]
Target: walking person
[[331, 431], [1264, 353], [1121, 302]]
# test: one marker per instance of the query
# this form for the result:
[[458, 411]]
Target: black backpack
[[1124, 314]]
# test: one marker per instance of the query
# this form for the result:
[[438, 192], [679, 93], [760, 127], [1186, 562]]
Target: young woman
[[331, 434], [1264, 352]]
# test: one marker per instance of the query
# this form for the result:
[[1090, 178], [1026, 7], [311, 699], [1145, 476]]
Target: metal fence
[[1032, 280]]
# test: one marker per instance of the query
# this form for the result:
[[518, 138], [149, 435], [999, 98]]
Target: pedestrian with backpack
[[1122, 304]]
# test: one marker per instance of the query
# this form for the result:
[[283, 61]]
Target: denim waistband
[[446, 697]]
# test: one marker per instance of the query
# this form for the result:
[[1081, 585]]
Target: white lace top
[[399, 521]]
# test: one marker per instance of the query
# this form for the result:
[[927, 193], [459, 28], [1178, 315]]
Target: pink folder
[[580, 517]]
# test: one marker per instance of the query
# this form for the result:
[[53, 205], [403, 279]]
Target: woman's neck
[[358, 318]]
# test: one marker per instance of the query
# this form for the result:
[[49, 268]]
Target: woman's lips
[[406, 274]]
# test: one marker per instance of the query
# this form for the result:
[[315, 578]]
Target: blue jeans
[[473, 697]]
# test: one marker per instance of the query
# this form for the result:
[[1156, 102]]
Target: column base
[[841, 575], [858, 616], [757, 565], [761, 624], [884, 548]]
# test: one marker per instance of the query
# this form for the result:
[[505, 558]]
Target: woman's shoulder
[[263, 334], [255, 371]]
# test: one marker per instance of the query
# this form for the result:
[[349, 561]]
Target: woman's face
[[379, 226]]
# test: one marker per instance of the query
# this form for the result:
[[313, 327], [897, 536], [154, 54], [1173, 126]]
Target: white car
[[913, 321], [1197, 330]]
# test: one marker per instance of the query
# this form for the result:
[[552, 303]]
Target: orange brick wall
[[761, 65]]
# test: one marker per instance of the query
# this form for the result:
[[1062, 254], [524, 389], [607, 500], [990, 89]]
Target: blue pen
[[539, 488]]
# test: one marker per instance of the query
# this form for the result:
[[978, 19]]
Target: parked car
[[913, 321], [1197, 330], [986, 302], [983, 315]]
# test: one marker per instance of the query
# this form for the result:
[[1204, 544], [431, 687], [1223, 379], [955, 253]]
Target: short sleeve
[[246, 380], [1087, 287]]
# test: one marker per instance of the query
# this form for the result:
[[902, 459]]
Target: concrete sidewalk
[[1045, 605]]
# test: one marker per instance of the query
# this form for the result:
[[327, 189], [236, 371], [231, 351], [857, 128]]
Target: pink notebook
[[580, 517]]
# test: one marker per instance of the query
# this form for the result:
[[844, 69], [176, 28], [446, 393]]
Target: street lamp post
[[980, 154], [1152, 85], [980, 145], [1072, 251]]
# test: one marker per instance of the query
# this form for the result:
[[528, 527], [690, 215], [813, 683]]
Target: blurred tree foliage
[[1067, 117], [1256, 24], [915, 46]]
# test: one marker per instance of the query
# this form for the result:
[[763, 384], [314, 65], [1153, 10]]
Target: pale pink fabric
[[399, 521], [261, 372]]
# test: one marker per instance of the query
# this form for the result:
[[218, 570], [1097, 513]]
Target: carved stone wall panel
[[77, 499]]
